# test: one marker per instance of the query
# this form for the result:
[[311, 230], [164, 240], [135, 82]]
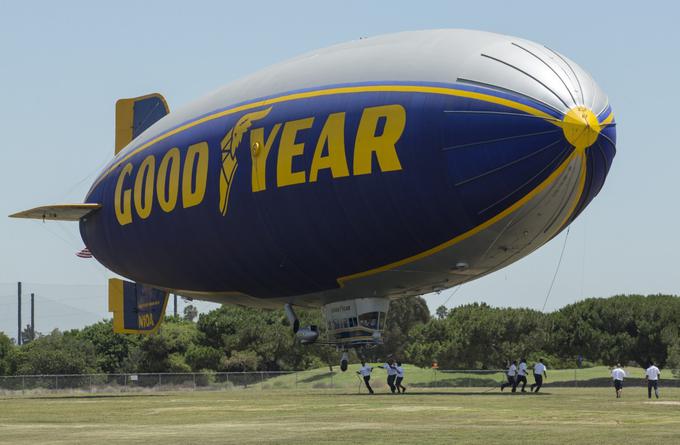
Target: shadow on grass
[[459, 382], [85, 396], [481, 392], [318, 377]]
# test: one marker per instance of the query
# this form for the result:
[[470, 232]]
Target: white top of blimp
[[448, 56]]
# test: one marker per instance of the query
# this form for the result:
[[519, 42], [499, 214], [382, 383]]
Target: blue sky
[[64, 64]]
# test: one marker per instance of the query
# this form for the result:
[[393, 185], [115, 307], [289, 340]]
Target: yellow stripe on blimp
[[373, 89], [578, 152], [333, 91], [517, 205], [579, 193]]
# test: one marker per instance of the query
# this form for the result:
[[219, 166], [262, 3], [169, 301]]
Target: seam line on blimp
[[510, 65], [517, 205], [573, 99], [509, 91], [579, 194], [556, 161], [493, 141], [600, 150], [604, 110], [501, 113], [333, 91], [608, 139], [571, 68], [499, 168]]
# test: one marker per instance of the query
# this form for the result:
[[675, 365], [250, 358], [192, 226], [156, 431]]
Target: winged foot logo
[[228, 146]]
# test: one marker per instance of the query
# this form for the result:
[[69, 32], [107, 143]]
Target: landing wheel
[[344, 361]]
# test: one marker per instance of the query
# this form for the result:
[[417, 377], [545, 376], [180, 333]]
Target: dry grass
[[256, 416]]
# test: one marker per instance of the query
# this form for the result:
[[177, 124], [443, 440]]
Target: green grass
[[422, 377], [428, 416]]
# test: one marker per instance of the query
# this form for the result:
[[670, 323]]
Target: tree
[[55, 353], [621, 328], [477, 336], [164, 351], [113, 350], [6, 349], [203, 357], [241, 361], [673, 361], [190, 313], [29, 334], [237, 332]]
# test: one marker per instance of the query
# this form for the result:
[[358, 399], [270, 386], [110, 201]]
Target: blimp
[[341, 179]]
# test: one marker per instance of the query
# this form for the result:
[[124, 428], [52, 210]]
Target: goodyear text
[[181, 180]]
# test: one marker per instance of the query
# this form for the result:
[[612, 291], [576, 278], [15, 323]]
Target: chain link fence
[[292, 380]]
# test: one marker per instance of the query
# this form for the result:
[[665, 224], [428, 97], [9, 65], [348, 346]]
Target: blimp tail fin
[[137, 308], [58, 212], [136, 114]]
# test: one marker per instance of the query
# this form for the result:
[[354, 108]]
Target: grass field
[[421, 416], [422, 377]]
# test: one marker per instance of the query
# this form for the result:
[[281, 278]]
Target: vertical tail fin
[[136, 114], [137, 308]]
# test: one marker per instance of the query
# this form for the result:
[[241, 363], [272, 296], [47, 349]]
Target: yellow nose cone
[[580, 127]]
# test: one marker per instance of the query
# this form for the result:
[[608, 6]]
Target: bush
[[203, 357], [240, 361], [673, 361], [6, 348], [176, 363], [205, 378], [55, 353]]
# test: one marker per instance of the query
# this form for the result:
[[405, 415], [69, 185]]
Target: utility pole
[[32, 316], [19, 312], [175, 295]]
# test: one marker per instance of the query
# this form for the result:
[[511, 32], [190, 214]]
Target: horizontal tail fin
[[58, 212], [137, 308], [136, 114]]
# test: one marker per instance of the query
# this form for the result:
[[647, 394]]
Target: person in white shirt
[[365, 372], [391, 374], [652, 375], [618, 374], [400, 378], [521, 375], [511, 374], [539, 373]]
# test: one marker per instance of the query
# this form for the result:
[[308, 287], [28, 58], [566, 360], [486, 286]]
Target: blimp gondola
[[376, 169]]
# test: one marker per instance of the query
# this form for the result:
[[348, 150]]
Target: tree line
[[624, 328]]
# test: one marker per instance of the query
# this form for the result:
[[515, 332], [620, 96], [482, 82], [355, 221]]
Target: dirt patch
[[416, 408]]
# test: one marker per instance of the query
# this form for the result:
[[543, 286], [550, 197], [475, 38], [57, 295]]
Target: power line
[[454, 292], [557, 269]]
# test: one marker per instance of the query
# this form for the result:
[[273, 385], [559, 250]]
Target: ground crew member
[[511, 374], [365, 372], [521, 375], [391, 374], [539, 373], [652, 375], [400, 377], [618, 374]]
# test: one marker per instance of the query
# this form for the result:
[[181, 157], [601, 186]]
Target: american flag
[[85, 253]]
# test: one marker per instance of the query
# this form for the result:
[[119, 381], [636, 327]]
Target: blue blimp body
[[381, 168]]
